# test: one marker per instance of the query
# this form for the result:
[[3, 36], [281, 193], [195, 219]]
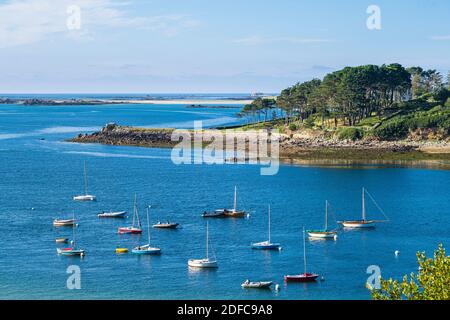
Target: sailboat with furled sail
[[205, 262], [364, 223], [147, 249], [305, 276], [234, 213], [72, 250], [85, 196], [133, 229], [325, 233], [266, 245]]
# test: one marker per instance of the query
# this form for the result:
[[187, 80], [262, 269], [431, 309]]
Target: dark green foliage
[[399, 127], [350, 133], [292, 127]]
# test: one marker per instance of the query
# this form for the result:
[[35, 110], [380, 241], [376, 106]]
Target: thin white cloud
[[29, 21], [440, 38], [259, 40]]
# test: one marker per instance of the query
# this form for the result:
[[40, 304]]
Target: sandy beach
[[183, 101]]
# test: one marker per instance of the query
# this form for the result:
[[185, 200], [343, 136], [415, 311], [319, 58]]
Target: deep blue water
[[45, 174]]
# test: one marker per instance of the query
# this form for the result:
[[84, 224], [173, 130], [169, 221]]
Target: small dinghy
[[256, 285], [166, 225], [86, 196], [64, 222], [266, 245], [305, 276], [61, 240], [207, 262], [70, 251], [220, 213], [147, 249], [119, 214]]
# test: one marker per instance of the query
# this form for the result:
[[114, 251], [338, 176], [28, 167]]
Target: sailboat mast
[[73, 230], [235, 191], [134, 209], [269, 223], [85, 179], [304, 250], [326, 215], [148, 225], [363, 206], [207, 237]]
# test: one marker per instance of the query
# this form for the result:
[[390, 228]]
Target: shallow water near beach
[[40, 173]]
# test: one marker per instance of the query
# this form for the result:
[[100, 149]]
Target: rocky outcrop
[[114, 134]]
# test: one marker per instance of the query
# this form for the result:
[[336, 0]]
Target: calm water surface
[[39, 170]]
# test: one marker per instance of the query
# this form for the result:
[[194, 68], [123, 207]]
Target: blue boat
[[266, 245]]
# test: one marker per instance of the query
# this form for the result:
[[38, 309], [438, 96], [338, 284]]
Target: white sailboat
[[266, 245], [86, 196], [325, 233], [205, 262], [363, 223], [147, 249]]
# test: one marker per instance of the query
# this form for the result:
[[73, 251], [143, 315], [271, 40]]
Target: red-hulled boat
[[305, 276], [132, 229]]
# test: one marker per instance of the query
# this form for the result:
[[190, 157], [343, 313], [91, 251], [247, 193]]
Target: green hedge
[[350, 133], [399, 127]]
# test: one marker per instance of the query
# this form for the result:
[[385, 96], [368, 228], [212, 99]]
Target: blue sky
[[209, 46]]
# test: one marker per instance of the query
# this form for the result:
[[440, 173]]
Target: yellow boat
[[121, 250]]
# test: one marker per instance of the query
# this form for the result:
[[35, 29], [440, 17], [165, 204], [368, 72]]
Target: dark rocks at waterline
[[114, 134]]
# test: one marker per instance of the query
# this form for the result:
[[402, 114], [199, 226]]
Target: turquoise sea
[[40, 173]]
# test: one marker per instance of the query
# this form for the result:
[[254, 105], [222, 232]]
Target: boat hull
[[129, 230], [70, 252], [64, 223], [61, 240], [322, 234], [203, 263], [266, 246], [112, 214], [234, 214], [358, 224], [85, 198], [305, 277], [166, 225], [257, 285], [146, 251]]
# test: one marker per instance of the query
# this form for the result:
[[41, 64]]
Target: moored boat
[[119, 214], [363, 223], [61, 240], [305, 276], [234, 213], [207, 262], [247, 284], [165, 225], [64, 222], [73, 250], [135, 227], [86, 196], [147, 249], [266, 245], [220, 213], [325, 233]]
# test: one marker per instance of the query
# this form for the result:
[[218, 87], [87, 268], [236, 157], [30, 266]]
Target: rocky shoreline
[[291, 146]]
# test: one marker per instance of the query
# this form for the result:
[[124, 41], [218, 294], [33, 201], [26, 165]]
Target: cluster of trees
[[432, 282], [352, 94]]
